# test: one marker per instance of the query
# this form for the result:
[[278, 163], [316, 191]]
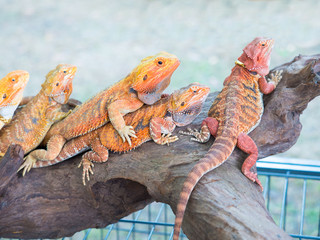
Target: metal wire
[[269, 168]]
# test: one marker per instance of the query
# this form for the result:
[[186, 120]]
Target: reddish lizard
[[155, 122], [29, 126], [144, 84], [11, 92], [234, 113]]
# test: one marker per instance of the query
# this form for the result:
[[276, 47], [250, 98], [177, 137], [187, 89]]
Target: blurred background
[[107, 39]]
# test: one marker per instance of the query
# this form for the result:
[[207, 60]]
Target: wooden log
[[52, 202]]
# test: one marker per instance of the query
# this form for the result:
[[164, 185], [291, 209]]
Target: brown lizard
[[234, 113], [11, 93], [144, 84], [29, 126], [155, 122]]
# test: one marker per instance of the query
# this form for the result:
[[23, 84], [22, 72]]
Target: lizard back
[[242, 94], [22, 129], [92, 112]]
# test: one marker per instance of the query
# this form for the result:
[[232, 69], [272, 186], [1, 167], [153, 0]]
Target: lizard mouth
[[186, 116], [149, 97], [63, 95], [61, 98]]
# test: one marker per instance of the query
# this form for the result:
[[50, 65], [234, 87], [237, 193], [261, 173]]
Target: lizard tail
[[220, 150]]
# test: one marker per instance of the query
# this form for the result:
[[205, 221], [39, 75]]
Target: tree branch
[[52, 202]]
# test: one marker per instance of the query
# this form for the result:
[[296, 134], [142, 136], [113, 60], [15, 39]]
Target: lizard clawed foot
[[254, 178], [87, 169], [126, 132], [190, 132], [166, 139], [28, 164], [198, 136], [276, 77]]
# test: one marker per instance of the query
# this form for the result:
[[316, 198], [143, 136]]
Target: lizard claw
[[87, 169], [276, 77], [166, 139], [197, 135], [27, 165], [126, 133], [189, 132], [254, 178]]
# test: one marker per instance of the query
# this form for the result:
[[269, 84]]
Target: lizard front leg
[[98, 154], [209, 127], [165, 126], [246, 144], [116, 111], [267, 87], [54, 113]]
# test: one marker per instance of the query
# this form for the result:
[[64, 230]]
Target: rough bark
[[52, 202]]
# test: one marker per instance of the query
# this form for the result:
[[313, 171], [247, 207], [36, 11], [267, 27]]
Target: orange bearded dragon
[[29, 126], [235, 112], [11, 93]]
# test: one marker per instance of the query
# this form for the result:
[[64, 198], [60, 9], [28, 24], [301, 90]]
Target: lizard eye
[[263, 44], [145, 77], [12, 79], [57, 84], [182, 104], [160, 62], [4, 96], [64, 72]]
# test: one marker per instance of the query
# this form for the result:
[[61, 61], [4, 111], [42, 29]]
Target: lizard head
[[256, 55], [186, 103], [58, 84], [153, 76], [12, 86]]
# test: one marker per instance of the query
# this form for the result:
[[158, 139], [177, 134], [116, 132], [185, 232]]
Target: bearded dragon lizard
[[177, 109], [29, 126], [235, 112], [144, 84], [11, 93]]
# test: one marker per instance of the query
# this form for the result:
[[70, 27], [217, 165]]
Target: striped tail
[[220, 150], [70, 149]]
